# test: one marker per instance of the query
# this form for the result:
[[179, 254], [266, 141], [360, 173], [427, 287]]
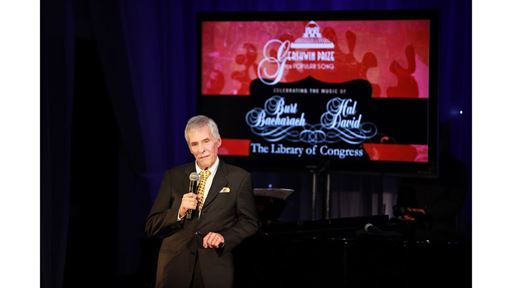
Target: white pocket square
[[225, 190]]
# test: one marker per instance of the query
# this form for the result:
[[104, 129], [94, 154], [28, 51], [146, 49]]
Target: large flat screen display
[[343, 90]]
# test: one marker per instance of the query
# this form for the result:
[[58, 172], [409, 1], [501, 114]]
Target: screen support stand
[[373, 194], [380, 195], [313, 194], [321, 182], [327, 204]]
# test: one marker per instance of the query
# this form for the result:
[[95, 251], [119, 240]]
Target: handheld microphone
[[193, 177]]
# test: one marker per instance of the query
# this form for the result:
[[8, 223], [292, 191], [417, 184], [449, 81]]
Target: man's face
[[203, 146]]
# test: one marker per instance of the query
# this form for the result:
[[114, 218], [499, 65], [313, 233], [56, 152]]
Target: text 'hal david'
[[341, 114]]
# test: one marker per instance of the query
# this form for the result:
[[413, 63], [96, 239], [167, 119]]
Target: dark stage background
[[118, 85]]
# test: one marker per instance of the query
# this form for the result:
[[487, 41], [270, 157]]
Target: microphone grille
[[193, 176]]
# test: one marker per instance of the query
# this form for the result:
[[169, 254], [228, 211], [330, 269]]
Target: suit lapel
[[219, 181]]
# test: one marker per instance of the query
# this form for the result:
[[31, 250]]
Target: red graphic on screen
[[215, 82], [371, 50], [396, 152], [347, 67], [292, 74], [248, 60], [235, 147]]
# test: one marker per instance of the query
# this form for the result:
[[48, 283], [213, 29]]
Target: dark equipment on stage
[[270, 203]]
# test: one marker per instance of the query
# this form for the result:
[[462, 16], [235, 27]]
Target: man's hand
[[213, 240], [188, 202]]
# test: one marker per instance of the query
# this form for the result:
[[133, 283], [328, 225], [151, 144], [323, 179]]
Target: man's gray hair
[[200, 121]]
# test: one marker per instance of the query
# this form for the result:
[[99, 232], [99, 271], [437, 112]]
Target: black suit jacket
[[232, 214]]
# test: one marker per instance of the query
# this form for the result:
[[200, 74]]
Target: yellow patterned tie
[[204, 174]]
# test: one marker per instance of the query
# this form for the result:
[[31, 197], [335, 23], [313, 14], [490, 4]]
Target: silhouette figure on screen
[[369, 61], [347, 67], [215, 82], [248, 60], [406, 83]]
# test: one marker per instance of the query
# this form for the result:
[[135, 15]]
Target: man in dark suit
[[196, 252]]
